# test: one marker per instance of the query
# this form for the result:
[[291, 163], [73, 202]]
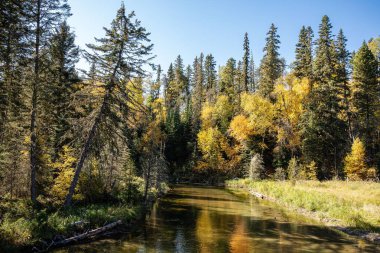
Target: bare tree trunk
[[33, 137]]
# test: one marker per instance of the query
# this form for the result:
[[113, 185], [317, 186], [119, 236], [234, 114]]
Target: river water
[[213, 220]]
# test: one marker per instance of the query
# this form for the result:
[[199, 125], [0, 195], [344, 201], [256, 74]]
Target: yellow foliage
[[216, 150], [207, 116], [291, 93], [64, 167], [260, 111], [220, 113], [240, 128], [355, 166]]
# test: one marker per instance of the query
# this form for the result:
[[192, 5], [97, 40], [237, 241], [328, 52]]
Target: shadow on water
[[206, 219]]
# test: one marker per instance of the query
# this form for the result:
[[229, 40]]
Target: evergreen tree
[[210, 78], [63, 55], [365, 96], [13, 59], [251, 73], [324, 132], [120, 56], [246, 63], [198, 92], [303, 65], [323, 66], [44, 16], [342, 79], [271, 67], [227, 79]]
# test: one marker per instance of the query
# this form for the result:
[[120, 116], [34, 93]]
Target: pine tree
[[227, 79], [323, 66], [13, 58], [303, 65], [44, 16], [251, 73], [198, 92], [342, 79], [210, 78], [271, 67], [121, 56], [324, 133], [246, 63], [365, 98], [63, 55]]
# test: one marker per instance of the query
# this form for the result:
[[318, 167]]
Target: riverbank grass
[[355, 205], [21, 226]]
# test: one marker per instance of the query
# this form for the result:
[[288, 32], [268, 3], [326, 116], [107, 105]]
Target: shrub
[[293, 169], [280, 174], [256, 169], [308, 171], [354, 163]]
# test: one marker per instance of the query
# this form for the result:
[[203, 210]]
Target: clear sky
[[189, 27]]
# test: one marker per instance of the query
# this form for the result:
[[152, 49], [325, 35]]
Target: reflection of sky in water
[[209, 220]]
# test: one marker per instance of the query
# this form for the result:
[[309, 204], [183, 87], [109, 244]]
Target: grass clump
[[350, 204], [21, 226]]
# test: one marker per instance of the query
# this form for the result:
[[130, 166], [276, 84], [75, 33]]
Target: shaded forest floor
[[22, 227], [352, 207]]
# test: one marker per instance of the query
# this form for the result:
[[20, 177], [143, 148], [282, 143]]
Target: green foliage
[[272, 66], [352, 204], [256, 169], [303, 65]]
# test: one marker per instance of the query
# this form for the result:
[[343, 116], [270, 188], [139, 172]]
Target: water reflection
[[211, 220]]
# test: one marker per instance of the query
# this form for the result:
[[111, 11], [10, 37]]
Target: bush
[[354, 163], [132, 191], [293, 169], [280, 174], [308, 171], [256, 169]]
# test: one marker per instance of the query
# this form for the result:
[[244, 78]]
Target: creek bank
[[262, 190]]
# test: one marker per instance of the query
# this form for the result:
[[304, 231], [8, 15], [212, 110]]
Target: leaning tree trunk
[[93, 129], [86, 149]]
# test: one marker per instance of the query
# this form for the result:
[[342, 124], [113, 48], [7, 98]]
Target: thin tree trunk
[[33, 138], [85, 150]]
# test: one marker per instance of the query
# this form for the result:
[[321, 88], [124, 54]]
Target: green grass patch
[[21, 226], [350, 204]]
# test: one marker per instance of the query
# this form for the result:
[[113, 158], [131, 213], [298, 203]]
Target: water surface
[[213, 220]]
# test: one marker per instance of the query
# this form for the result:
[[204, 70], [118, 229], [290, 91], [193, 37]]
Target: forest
[[125, 129]]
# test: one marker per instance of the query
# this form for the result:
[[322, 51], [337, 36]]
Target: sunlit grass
[[351, 204]]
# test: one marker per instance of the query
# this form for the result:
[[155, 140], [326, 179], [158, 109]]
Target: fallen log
[[77, 238], [89, 234]]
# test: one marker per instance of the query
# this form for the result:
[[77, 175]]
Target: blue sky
[[188, 27]]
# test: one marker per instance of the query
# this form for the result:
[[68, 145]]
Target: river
[[213, 220]]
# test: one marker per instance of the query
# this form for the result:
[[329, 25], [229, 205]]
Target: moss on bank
[[355, 205]]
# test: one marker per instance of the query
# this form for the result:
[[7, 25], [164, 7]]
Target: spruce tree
[[14, 56], [251, 73], [303, 65], [44, 16], [63, 55], [120, 56], [365, 96], [198, 92], [210, 78], [342, 78], [271, 67], [324, 132], [246, 63]]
